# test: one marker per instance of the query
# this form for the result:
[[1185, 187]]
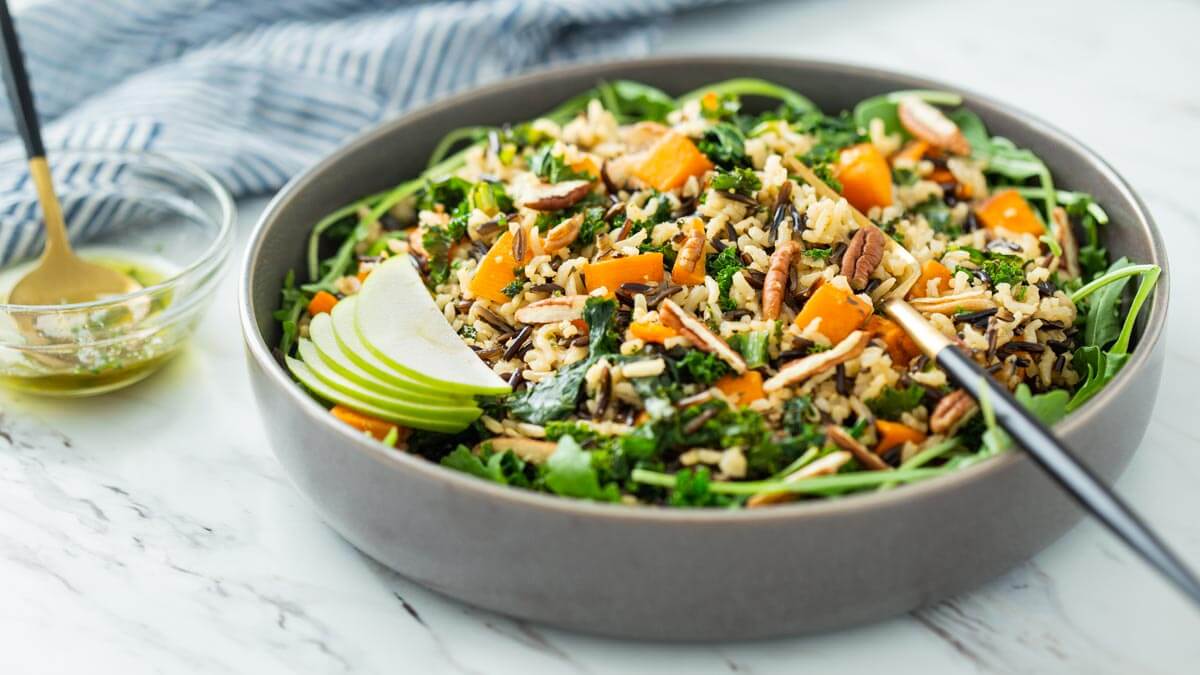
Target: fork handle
[[16, 83]]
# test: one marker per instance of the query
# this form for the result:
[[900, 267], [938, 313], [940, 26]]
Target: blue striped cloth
[[254, 91]]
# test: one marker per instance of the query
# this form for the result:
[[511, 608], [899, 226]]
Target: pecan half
[[557, 196], [526, 448], [563, 235], [775, 283], [829, 464], [953, 409], [862, 453], [691, 250], [969, 301], [552, 310], [700, 336], [1066, 241], [863, 255], [801, 369], [932, 126]]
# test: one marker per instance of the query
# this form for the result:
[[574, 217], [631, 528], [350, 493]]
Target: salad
[[639, 298]]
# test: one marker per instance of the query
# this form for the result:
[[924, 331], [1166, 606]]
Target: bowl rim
[[214, 254], [963, 478]]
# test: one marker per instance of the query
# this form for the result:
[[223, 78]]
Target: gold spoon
[[60, 277], [1050, 453]]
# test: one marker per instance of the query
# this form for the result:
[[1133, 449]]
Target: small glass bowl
[[166, 221]]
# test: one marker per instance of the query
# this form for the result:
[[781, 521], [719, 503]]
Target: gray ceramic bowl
[[654, 573]]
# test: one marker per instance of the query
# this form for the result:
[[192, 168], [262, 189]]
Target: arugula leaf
[[1103, 320], [626, 99], [752, 346], [741, 180], [892, 402], [725, 145], [1049, 407], [462, 459], [703, 367], [884, 107], [288, 314], [569, 473], [551, 167]]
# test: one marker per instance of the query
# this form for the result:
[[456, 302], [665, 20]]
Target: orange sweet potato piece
[[913, 151], [371, 425], [1009, 210], [892, 434], [742, 389], [900, 346], [931, 270], [671, 161], [322, 302], [680, 273], [495, 270], [651, 332], [865, 177], [643, 269], [841, 312]]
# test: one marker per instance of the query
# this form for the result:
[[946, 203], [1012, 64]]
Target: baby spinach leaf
[[552, 398]]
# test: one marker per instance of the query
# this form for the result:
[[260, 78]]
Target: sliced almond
[[931, 125], [700, 336], [527, 449], [969, 301], [827, 465], [862, 453], [553, 310], [556, 196], [795, 372]]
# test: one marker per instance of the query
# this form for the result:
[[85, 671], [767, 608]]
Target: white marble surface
[[153, 531]]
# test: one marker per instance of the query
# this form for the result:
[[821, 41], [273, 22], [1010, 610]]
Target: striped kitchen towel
[[255, 90]]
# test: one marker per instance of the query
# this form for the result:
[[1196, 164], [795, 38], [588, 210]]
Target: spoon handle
[[16, 83], [1051, 454], [20, 98]]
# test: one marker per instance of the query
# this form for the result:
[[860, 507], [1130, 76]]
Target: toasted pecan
[[551, 310], [863, 255], [776, 280], [953, 409], [701, 337], [931, 125], [795, 372], [862, 453], [557, 196]]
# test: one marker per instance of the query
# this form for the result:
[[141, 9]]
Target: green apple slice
[[408, 404], [353, 347], [398, 322], [322, 390], [321, 332]]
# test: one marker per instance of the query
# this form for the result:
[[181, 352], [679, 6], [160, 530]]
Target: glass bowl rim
[[215, 252]]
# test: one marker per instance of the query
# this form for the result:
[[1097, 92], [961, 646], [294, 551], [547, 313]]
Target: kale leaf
[[437, 242], [721, 267], [725, 145], [599, 313], [741, 180], [891, 402], [703, 367], [752, 346]]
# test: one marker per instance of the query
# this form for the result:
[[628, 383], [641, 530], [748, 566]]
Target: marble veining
[[153, 531]]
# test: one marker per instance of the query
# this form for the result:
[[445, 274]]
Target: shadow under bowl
[[657, 573]]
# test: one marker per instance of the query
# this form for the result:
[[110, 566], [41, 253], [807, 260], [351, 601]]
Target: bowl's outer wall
[[601, 570]]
